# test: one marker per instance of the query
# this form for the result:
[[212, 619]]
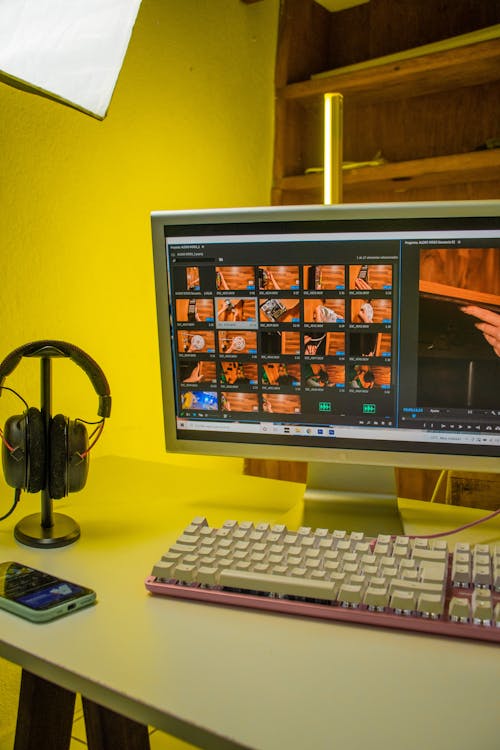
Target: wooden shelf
[[425, 108], [471, 65], [421, 86], [458, 295], [478, 166]]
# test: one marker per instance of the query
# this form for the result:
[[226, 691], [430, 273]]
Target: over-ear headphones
[[54, 457]]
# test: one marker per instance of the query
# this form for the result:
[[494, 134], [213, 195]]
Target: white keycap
[[409, 575], [199, 521], [243, 564], [496, 576], [312, 554], [248, 526], [304, 531], [163, 569], [322, 533], [376, 597], [433, 555], [482, 608], [421, 544], [182, 548], [388, 562], [459, 609], [496, 615], [418, 587], [440, 544], [331, 555], [279, 570], [207, 574], [344, 545], [333, 565], [284, 585], [408, 564], [350, 568], [350, 593], [482, 549], [186, 573], [208, 560], [339, 534], [171, 556], [461, 575], [403, 601], [262, 527], [430, 605], [384, 539], [433, 572], [206, 544], [389, 572], [192, 530], [207, 532], [403, 540], [357, 536], [261, 568], [481, 575]]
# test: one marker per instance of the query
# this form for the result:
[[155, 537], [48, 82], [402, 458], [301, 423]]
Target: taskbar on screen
[[480, 435]]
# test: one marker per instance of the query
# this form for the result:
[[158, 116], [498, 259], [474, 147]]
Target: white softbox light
[[68, 50]]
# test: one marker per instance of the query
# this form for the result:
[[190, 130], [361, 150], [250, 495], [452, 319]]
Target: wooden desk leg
[[107, 730], [44, 716]]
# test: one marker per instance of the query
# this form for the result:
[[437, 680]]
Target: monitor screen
[[365, 334]]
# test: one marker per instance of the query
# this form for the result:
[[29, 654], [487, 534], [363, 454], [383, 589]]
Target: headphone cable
[[6, 388], [98, 431], [17, 497]]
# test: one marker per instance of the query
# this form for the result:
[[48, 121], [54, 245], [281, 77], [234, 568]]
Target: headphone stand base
[[63, 531]]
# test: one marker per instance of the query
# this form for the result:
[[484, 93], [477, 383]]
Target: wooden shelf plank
[[464, 296], [478, 166], [473, 64]]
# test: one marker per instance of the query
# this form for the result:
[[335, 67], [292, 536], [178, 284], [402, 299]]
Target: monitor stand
[[352, 497]]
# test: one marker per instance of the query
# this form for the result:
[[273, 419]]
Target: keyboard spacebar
[[278, 584]]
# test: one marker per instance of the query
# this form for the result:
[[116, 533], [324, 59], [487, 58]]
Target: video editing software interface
[[337, 334]]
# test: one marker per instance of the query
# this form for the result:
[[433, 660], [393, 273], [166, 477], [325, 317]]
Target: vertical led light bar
[[332, 184]]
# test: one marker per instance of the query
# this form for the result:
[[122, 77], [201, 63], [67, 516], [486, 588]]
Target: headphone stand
[[46, 529]]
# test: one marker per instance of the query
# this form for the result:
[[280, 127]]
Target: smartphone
[[39, 596], [363, 273], [191, 311]]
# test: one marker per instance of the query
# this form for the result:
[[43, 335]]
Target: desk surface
[[221, 677]]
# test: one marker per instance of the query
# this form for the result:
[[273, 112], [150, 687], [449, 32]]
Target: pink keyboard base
[[361, 615]]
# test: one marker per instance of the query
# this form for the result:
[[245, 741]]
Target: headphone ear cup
[[24, 468], [37, 451], [67, 470], [78, 467], [15, 463], [58, 456]]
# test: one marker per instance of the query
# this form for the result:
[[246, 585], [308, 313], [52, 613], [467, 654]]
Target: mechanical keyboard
[[396, 582]]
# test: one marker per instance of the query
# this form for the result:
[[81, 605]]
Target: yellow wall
[[190, 125]]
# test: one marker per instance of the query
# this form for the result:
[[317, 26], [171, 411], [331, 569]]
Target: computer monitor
[[358, 338]]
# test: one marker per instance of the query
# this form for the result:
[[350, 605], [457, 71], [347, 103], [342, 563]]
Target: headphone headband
[[51, 348]]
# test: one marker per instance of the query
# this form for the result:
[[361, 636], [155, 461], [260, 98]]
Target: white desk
[[221, 677]]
